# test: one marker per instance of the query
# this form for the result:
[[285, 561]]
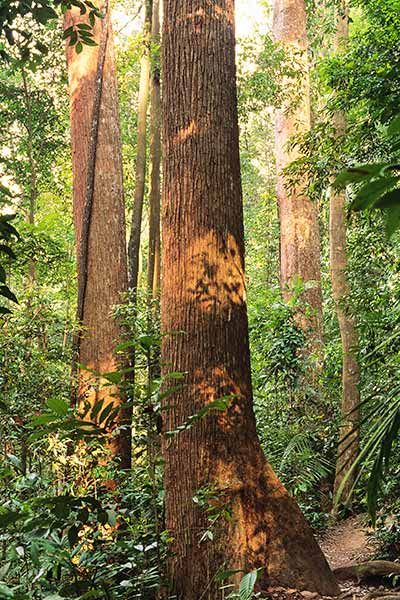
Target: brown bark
[[349, 434], [98, 216], [141, 143], [203, 303], [298, 215], [153, 270]]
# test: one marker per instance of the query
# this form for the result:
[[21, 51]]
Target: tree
[[141, 144], [33, 188], [154, 266], [99, 219], [298, 214], [349, 435], [218, 459]]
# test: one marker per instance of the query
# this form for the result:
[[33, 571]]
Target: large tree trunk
[[204, 309], [154, 270], [101, 250], [298, 215], [141, 143], [349, 441]]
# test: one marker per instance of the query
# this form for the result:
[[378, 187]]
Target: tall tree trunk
[[298, 215], [154, 254], [349, 441], [140, 169], [33, 189], [98, 216], [203, 304], [153, 270]]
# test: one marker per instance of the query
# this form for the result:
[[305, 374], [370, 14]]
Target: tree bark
[[101, 250], [154, 266], [141, 143], [204, 311], [298, 214], [349, 434]]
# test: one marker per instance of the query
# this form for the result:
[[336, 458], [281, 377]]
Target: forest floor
[[345, 544], [348, 542]]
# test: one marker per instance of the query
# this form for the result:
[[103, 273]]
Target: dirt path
[[348, 542]]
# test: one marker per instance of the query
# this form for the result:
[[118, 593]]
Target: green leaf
[[44, 14], [370, 192], [42, 48], [359, 174], [42, 419], [7, 250], [96, 409], [246, 587], [394, 127], [105, 413], [4, 570], [88, 41], [14, 460], [7, 293], [5, 190], [67, 32], [389, 199], [79, 47], [6, 592], [73, 38], [58, 406], [9, 517], [113, 377], [392, 220]]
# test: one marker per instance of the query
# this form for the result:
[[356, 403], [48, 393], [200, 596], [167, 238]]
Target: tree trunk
[[100, 233], [140, 169], [349, 434], [203, 304], [154, 255], [298, 215], [33, 190], [153, 270]]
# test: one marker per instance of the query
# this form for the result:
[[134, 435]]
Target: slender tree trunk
[[298, 215], [349, 430], [153, 271], [154, 256], [203, 304], [99, 217], [140, 170], [33, 190]]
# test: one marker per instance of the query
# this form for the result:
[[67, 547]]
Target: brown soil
[[348, 542]]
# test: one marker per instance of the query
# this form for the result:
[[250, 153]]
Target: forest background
[[59, 536]]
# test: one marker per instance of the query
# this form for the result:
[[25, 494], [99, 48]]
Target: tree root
[[384, 594], [373, 568]]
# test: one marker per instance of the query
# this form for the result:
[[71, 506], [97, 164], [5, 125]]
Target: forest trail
[[348, 542]]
